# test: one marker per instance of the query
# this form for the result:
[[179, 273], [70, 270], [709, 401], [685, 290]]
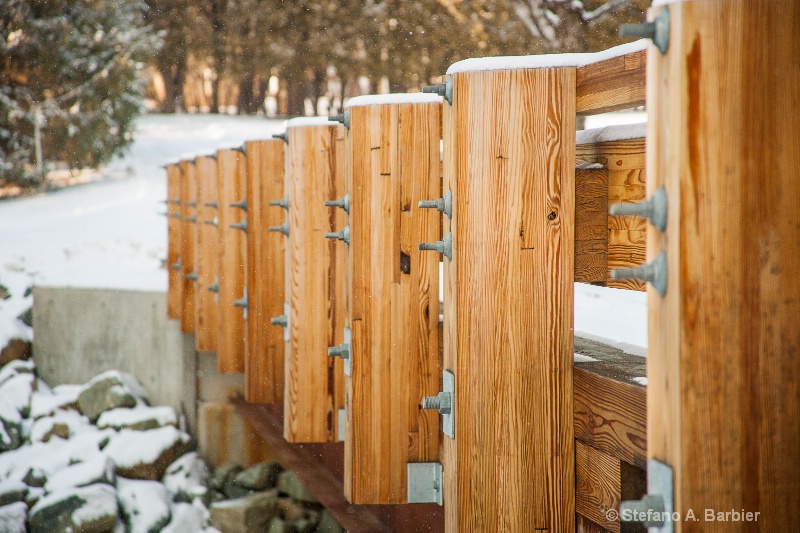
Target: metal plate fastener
[[241, 204], [241, 225], [654, 273], [343, 235], [654, 209], [283, 228], [443, 89], [283, 202], [444, 247], [655, 509], [341, 203], [657, 31], [443, 204]]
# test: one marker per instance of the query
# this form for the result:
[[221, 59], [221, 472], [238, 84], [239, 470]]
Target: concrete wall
[[79, 333]]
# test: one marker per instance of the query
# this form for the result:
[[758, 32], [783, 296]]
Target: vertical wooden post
[[174, 224], [314, 388], [510, 162], [394, 152], [266, 267], [723, 366], [188, 227], [231, 334], [207, 255]]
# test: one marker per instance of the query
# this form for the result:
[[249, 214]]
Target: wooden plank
[[597, 486], [338, 295], [514, 269], [395, 155], [310, 397], [624, 162], [723, 343], [174, 225], [591, 225], [266, 267], [188, 238], [231, 330], [207, 255], [612, 84]]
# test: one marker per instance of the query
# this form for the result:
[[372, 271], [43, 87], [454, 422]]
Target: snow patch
[[123, 416], [79, 475], [130, 447], [300, 122], [58, 399], [394, 99], [620, 132], [640, 381], [145, 504], [580, 358], [13, 518]]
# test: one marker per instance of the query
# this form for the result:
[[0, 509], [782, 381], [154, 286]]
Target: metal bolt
[[342, 350], [241, 204], [191, 204], [241, 225], [649, 511], [444, 247], [241, 302], [283, 136], [214, 287], [443, 89], [654, 209], [175, 202], [443, 205], [211, 204], [191, 219], [283, 228], [177, 265], [191, 276], [175, 215], [282, 321], [283, 202], [342, 203], [241, 149], [212, 222], [343, 235], [654, 273], [657, 31], [343, 118], [443, 402]]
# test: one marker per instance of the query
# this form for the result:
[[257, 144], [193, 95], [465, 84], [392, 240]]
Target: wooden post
[[207, 255], [314, 382], [393, 146], [509, 159], [723, 366], [231, 333], [266, 267], [188, 228], [174, 224]]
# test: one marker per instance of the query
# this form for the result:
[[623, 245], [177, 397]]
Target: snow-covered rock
[[110, 390], [91, 509], [144, 505], [16, 367], [62, 397], [250, 514], [259, 477], [100, 469], [63, 424], [187, 478], [290, 484], [185, 518], [147, 454], [12, 491], [140, 417], [17, 391], [11, 433], [13, 518]]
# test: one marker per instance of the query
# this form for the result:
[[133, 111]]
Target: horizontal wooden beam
[[613, 84]]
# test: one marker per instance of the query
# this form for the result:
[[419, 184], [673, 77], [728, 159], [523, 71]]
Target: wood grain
[[612, 84], [597, 485], [723, 372], [231, 330], [591, 225], [266, 267], [188, 239], [310, 401], [207, 256], [394, 151], [624, 162], [513, 251], [174, 242]]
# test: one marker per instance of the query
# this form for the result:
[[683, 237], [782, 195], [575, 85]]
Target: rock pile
[[97, 458]]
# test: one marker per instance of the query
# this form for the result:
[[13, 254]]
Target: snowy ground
[[109, 234]]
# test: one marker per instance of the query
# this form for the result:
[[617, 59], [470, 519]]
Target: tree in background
[[71, 82]]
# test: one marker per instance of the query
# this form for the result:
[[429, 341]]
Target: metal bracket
[[241, 225], [213, 222], [425, 483], [654, 273], [283, 202], [653, 209], [284, 136], [343, 235], [191, 220], [443, 204], [443, 89], [342, 203], [212, 204], [191, 204], [241, 204], [177, 265], [282, 321], [657, 31], [344, 350], [283, 228], [445, 403], [192, 276], [343, 118], [444, 247], [656, 508]]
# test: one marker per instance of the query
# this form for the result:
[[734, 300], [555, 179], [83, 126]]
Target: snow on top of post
[[309, 121], [394, 98], [477, 64], [621, 132]]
